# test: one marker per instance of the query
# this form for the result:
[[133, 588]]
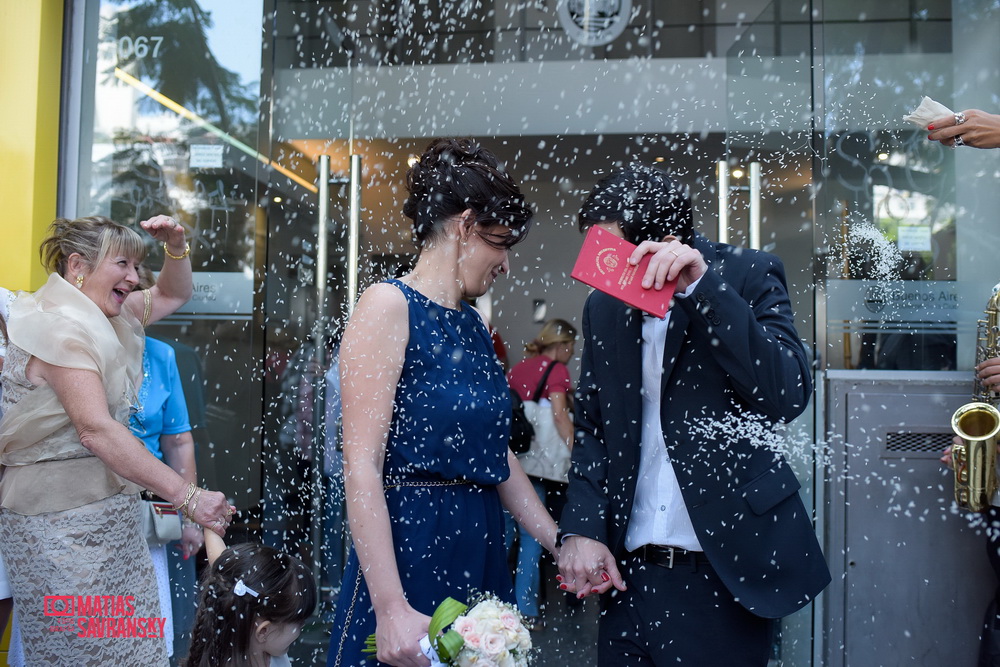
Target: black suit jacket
[[732, 358]]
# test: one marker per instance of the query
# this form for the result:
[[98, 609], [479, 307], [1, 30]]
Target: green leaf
[[445, 615], [449, 644]]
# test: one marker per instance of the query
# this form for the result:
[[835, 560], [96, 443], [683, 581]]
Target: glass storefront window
[[171, 126], [900, 292]]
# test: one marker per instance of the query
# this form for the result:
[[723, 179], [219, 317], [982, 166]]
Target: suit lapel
[[629, 337], [671, 346]]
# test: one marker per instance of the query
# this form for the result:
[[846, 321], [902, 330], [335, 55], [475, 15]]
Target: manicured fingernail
[[562, 586], [605, 577], [594, 590], [558, 577], [930, 127]]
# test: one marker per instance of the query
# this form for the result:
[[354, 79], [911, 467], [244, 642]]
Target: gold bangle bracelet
[[190, 492], [194, 503], [187, 251]]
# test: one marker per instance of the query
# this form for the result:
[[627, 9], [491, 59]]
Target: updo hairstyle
[[93, 238], [458, 174], [553, 332], [224, 624], [646, 202]]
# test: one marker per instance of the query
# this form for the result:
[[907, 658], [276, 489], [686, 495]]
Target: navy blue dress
[[446, 453]]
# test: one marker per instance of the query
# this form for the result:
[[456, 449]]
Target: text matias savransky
[[101, 616]]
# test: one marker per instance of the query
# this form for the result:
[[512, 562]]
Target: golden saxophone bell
[[975, 459], [977, 423]]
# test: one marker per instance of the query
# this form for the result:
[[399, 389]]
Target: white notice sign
[[206, 156], [914, 238]]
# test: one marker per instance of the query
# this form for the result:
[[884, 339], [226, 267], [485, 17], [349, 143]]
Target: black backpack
[[521, 430]]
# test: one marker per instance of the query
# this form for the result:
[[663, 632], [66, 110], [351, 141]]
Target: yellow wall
[[31, 44], [30, 63]]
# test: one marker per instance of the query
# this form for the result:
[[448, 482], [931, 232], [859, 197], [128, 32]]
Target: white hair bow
[[241, 589]]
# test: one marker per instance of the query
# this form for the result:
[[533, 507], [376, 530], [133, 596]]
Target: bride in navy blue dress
[[426, 417]]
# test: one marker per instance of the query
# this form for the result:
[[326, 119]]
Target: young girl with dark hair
[[253, 603]]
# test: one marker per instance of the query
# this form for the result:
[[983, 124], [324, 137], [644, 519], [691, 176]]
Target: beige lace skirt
[[83, 584]]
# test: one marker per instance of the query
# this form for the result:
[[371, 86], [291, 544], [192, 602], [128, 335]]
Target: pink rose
[[473, 640], [464, 625], [509, 619], [493, 644]]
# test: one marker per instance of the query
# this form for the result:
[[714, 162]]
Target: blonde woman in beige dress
[[82, 579]]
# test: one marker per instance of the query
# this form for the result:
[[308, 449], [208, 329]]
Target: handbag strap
[[541, 385]]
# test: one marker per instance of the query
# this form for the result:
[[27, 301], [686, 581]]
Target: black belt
[[668, 557]]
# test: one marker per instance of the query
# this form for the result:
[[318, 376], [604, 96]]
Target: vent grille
[[908, 441]]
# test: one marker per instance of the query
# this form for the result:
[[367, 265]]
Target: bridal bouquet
[[489, 634]]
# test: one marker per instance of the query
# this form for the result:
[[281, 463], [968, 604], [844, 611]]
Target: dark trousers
[[989, 645], [679, 616]]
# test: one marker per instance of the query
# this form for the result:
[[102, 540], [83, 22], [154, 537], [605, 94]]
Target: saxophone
[[977, 423]]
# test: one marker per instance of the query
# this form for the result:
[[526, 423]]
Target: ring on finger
[[959, 141], [960, 118], [675, 253]]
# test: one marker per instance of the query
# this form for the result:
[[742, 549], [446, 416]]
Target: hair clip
[[241, 589]]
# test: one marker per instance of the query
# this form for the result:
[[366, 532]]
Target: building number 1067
[[140, 47]]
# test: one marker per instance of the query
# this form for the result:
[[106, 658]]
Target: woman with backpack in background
[[542, 382]]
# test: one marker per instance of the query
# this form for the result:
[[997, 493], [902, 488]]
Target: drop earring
[[79, 282]]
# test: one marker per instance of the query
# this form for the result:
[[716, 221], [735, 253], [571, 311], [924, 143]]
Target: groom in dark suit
[[677, 498]]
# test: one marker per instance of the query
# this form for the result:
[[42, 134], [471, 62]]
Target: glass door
[[764, 188]]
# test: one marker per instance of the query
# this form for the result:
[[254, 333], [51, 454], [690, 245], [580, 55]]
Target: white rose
[[493, 645], [509, 619]]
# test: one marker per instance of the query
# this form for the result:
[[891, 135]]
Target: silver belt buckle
[[670, 564]]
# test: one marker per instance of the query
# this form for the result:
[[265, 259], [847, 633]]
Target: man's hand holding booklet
[[603, 264]]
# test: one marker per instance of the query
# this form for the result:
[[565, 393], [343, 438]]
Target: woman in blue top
[[163, 425], [426, 414]]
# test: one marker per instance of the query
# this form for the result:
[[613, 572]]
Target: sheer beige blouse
[[45, 467]]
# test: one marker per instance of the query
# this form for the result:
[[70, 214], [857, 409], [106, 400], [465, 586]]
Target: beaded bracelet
[[187, 251]]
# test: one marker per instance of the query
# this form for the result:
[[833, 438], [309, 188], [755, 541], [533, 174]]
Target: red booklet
[[603, 264]]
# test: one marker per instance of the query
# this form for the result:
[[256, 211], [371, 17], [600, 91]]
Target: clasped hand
[[213, 512], [586, 566]]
